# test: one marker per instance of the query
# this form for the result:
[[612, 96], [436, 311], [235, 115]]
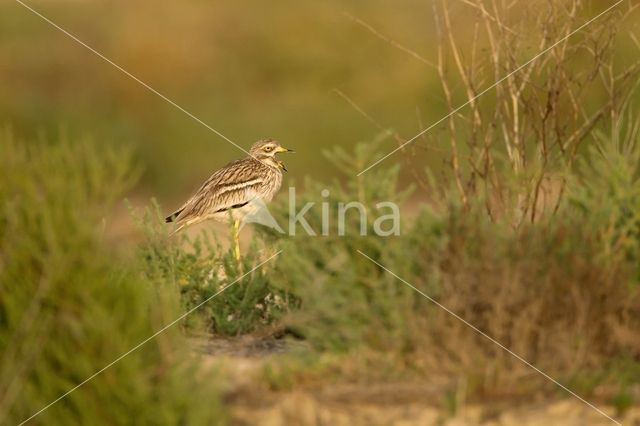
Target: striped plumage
[[233, 188]]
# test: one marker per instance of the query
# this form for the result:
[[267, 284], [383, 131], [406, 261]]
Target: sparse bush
[[512, 144], [201, 268]]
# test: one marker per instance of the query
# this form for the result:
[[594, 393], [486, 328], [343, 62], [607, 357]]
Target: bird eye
[[268, 148]]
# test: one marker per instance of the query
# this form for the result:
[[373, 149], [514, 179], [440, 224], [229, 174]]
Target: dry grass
[[547, 294]]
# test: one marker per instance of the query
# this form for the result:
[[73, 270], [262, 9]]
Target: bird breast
[[272, 182]]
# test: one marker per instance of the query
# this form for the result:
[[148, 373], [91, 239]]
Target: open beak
[[282, 149]]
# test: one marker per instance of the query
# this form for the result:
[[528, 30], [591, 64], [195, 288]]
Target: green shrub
[[70, 304], [605, 191], [201, 268]]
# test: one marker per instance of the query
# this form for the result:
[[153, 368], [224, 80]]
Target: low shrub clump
[[230, 298]]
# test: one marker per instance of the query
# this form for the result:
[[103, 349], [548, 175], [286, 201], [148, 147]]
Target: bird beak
[[282, 149]]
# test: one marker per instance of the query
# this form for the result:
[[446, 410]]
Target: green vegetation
[[562, 292], [70, 305], [201, 269]]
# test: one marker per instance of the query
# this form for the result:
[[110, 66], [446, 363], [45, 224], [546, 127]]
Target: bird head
[[266, 150]]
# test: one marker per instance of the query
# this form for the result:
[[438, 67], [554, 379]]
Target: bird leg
[[236, 239]]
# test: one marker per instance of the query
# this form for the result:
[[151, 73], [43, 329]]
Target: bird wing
[[233, 186]]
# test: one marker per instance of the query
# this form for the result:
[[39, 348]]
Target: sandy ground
[[299, 408], [399, 404]]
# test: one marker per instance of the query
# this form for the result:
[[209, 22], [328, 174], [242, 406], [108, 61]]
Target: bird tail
[[173, 216]]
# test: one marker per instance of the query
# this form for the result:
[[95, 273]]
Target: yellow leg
[[236, 239]]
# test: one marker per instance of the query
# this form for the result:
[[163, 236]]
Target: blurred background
[[249, 69]]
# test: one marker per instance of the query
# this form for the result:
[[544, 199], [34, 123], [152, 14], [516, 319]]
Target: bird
[[230, 192]]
